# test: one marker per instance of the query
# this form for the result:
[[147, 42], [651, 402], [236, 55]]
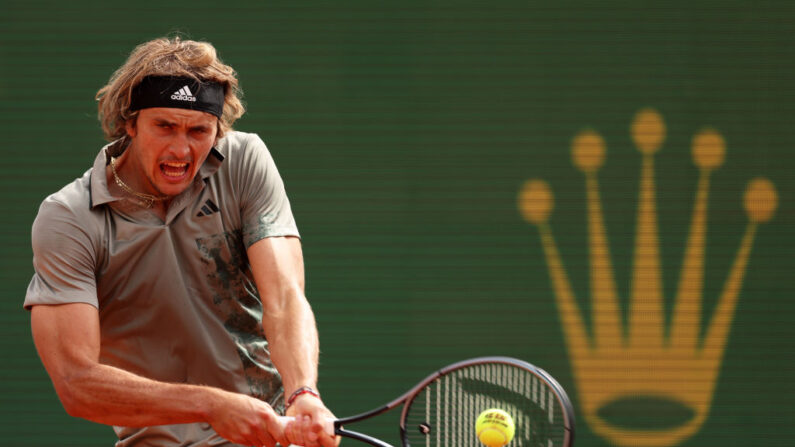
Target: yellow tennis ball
[[494, 427]]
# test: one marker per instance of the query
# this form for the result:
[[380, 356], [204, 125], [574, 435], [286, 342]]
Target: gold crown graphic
[[641, 360]]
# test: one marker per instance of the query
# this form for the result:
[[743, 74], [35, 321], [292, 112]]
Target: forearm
[[288, 321], [108, 395], [289, 324], [293, 341], [112, 396]]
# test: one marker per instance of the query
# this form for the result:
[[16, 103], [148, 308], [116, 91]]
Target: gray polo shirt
[[177, 300]]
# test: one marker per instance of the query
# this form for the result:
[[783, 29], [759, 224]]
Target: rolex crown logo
[[618, 361]]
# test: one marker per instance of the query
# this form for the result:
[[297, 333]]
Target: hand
[[245, 420], [307, 429]]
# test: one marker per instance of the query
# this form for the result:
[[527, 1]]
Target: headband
[[180, 93]]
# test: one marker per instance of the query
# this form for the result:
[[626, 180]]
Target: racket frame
[[407, 398], [558, 391]]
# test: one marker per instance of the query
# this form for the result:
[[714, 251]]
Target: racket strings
[[443, 414]]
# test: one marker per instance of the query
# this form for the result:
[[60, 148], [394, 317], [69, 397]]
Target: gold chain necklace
[[147, 200]]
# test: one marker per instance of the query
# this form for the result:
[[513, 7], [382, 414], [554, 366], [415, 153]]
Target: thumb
[[276, 428]]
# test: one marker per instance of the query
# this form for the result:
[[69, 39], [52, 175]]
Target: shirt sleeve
[[63, 259], [265, 209]]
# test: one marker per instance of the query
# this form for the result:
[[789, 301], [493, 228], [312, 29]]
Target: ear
[[129, 126]]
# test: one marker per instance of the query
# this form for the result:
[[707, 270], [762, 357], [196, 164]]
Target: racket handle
[[328, 424]]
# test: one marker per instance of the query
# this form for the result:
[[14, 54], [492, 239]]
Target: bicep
[[278, 267], [67, 339]]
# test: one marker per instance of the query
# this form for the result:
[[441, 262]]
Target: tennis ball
[[494, 427]]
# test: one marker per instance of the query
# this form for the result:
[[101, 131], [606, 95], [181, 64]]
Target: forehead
[[192, 117]]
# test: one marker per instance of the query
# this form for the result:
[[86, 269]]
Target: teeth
[[174, 168]]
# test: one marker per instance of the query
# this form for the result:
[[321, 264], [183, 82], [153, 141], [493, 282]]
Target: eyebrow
[[162, 121], [166, 121]]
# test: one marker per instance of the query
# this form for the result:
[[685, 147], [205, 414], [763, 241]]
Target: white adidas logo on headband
[[183, 94]]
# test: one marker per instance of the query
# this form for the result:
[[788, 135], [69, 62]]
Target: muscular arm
[[288, 320], [278, 267], [67, 339]]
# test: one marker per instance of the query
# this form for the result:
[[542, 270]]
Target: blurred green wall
[[404, 132]]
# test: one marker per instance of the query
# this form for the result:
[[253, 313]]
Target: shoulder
[[67, 210], [245, 156], [235, 144], [72, 199], [66, 247]]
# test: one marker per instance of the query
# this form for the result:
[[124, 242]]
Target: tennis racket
[[441, 410]]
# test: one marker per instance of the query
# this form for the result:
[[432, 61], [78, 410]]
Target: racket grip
[[328, 424]]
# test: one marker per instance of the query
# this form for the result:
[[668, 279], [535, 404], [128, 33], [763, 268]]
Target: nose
[[179, 146]]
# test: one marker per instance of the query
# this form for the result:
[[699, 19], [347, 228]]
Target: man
[[168, 295]]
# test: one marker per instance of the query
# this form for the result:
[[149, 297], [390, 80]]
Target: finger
[[294, 433], [317, 425], [310, 436], [311, 429], [279, 433], [327, 440], [277, 428], [263, 436], [267, 440], [323, 427], [274, 425]]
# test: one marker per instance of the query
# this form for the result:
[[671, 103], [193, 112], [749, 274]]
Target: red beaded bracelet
[[298, 392]]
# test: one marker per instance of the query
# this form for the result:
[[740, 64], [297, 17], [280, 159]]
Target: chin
[[172, 189], [172, 186]]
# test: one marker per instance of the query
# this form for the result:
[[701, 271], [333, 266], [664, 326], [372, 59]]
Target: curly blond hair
[[166, 57]]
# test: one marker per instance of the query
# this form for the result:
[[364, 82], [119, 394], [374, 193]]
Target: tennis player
[[168, 294]]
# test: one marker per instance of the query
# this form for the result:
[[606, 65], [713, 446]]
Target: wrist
[[209, 402], [299, 392]]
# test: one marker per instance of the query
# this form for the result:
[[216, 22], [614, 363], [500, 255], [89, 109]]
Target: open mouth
[[173, 170]]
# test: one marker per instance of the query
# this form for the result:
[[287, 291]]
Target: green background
[[404, 131]]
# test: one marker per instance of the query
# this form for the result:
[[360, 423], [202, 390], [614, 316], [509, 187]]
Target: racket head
[[441, 410]]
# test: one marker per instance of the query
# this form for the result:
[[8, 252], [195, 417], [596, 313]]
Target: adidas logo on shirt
[[183, 94], [208, 208]]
